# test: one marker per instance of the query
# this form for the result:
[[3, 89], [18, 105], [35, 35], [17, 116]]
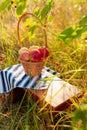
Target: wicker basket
[[32, 68]]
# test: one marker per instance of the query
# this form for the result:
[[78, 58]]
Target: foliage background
[[66, 26]]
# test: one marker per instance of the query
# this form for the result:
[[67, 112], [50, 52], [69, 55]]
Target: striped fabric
[[15, 76]]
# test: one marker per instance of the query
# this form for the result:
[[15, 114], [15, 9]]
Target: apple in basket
[[44, 51], [35, 55], [24, 56], [22, 50]]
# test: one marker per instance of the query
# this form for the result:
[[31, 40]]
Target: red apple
[[24, 56], [35, 55], [44, 51]]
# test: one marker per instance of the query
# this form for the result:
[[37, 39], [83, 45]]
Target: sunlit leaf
[[37, 11], [21, 0], [50, 18], [46, 9], [68, 31], [66, 34], [31, 36], [20, 9], [83, 21], [73, 32], [35, 1], [9, 7], [27, 22], [32, 28], [80, 116], [4, 4]]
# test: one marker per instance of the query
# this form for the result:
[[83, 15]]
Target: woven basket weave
[[32, 68]]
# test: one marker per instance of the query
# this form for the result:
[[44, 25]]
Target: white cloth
[[15, 76]]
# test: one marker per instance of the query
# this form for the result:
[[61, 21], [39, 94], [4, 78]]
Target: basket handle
[[44, 30]]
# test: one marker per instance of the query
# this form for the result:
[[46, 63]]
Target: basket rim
[[33, 61]]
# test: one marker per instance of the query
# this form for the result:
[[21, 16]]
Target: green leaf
[[80, 116], [20, 9], [9, 7], [71, 33], [83, 21], [50, 18], [66, 34], [46, 9], [4, 4], [37, 11], [21, 0], [27, 22], [32, 28], [36, 1], [31, 36]]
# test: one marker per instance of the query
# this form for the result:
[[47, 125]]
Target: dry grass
[[69, 60]]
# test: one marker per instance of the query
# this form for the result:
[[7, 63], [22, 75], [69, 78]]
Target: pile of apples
[[33, 54]]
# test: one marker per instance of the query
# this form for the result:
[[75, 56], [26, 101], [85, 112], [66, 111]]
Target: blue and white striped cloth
[[15, 76]]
